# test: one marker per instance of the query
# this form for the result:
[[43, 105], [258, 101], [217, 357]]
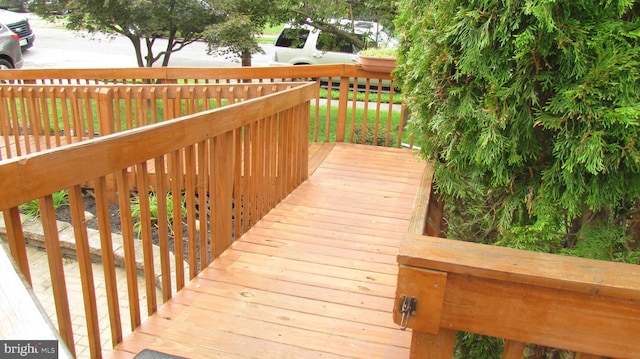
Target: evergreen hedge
[[529, 111]]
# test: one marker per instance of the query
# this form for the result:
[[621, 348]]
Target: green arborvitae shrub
[[529, 112]]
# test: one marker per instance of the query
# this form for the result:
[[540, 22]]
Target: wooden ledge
[[588, 276]]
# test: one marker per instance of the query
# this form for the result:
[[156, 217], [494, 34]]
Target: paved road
[[56, 47]]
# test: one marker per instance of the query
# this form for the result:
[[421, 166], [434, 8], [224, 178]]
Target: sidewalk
[[41, 280], [42, 288]]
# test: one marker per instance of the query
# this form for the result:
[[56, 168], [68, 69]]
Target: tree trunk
[[588, 217], [138, 48], [634, 230], [246, 58]]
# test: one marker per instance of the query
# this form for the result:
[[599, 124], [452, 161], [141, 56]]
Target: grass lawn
[[356, 122]]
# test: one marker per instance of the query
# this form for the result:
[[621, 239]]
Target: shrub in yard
[[136, 211], [529, 113], [32, 208]]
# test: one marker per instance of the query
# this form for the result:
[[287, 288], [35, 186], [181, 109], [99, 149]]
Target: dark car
[[10, 52], [19, 24]]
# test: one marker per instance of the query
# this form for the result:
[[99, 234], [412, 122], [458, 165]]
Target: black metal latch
[[407, 307]]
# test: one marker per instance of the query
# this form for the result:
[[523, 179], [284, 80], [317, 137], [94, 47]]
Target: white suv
[[305, 45]]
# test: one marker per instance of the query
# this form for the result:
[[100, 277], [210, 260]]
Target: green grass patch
[[357, 124], [385, 97]]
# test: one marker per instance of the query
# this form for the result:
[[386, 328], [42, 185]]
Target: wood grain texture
[[304, 281], [525, 267], [562, 302]]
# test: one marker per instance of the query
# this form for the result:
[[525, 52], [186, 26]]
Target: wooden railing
[[340, 119], [38, 117], [586, 306], [251, 154]]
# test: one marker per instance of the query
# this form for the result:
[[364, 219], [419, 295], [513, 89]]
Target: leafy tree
[[244, 19], [143, 22], [529, 112], [322, 14], [236, 33]]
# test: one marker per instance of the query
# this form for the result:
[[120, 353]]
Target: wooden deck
[[314, 278]]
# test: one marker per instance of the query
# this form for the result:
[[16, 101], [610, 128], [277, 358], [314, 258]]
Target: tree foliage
[[177, 23], [236, 34], [530, 113], [322, 14]]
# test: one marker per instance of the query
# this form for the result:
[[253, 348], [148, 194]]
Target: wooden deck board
[[315, 278]]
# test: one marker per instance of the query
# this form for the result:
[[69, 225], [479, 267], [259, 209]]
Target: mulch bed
[[63, 213]]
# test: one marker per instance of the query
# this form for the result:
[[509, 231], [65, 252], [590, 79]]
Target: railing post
[[222, 186], [433, 346], [342, 108], [105, 105], [15, 237]]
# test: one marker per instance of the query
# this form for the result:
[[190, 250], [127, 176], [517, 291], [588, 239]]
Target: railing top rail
[[169, 90], [533, 268], [113, 152], [177, 73]]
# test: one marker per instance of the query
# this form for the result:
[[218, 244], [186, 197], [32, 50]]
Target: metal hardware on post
[[407, 307]]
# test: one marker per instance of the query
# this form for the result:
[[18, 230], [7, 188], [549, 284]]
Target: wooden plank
[[583, 322], [15, 237], [433, 346], [513, 349], [254, 295], [222, 185], [129, 249], [278, 259], [294, 286], [56, 270], [427, 287], [321, 257], [86, 270], [318, 151], [420, 210], [108, 261], [526, 267], [189, 306], [138, 342]]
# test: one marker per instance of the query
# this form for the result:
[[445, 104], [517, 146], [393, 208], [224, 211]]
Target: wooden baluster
[[513, 349], [163, 226], [203, 203], [108, 259], [15, 237], [129, 247], [147, 242], [433, 346], [177, 175], [86, 270], [222, 189], [342, 108], [58, 283]]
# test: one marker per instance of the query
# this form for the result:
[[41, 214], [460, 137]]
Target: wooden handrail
[[577, 304], [386, 120], [174, 74], [40, 117], [251, 154]]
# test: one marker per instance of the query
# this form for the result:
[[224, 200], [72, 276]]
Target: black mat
[[152, 354]]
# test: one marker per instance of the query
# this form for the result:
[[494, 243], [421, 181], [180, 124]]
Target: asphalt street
[[56, 47]]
